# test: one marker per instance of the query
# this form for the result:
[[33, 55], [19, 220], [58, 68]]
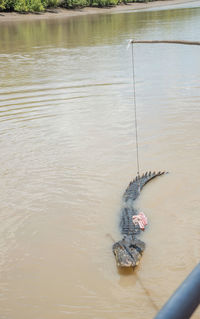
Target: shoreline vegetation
[[23, 6], [49, 9]]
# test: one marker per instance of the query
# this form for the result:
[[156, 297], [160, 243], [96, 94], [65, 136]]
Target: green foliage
[[21, 6], [28, 6], [75, 3], [35, 5], [104, 3], [91, 3], [9, 5], [41, 5], [2, 4], [50, 3]]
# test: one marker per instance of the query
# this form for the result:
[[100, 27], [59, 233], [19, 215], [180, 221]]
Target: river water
[[68, 152]]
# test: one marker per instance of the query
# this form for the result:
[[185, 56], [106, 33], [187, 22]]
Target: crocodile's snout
[[128, 252]]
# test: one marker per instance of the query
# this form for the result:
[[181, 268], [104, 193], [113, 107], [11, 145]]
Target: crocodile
[[128, 251]]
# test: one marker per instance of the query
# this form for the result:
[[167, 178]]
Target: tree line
[[42, 5]]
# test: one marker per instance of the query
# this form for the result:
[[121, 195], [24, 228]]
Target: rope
[[135, 112]]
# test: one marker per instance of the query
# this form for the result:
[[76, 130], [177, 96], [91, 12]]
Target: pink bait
[[141, 220]]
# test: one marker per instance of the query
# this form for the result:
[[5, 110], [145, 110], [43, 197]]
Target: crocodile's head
[[128, 251]]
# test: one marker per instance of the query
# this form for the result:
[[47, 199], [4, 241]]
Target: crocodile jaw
[[128, 252], [124, 259]]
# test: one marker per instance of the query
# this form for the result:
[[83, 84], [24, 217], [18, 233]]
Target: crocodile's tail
[[134, 188]]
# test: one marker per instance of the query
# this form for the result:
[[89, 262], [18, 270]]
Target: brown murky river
[[68, 152]]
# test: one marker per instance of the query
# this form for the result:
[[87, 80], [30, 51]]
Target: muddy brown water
[[68, 153]]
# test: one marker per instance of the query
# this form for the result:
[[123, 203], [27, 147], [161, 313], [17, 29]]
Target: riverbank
[[66, 13]]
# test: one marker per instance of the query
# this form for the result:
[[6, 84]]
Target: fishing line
[[147, 293], [132, 42], [135, 110]]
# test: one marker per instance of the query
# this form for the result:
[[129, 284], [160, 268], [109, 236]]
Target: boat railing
[[185, 300]]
